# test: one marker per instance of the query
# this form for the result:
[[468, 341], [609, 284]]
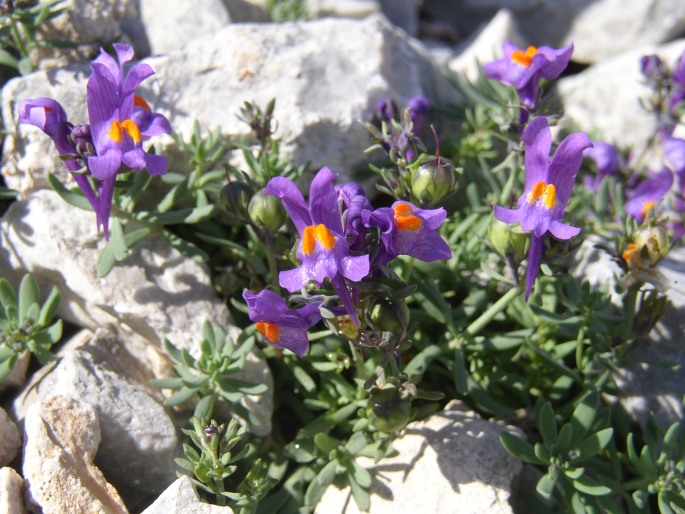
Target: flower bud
[[433, 180], [387, 410], [391, 316], [234, 198], [266, 211], [510, 241], [655, 242]]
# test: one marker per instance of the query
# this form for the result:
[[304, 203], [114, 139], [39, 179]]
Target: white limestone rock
[[451, 462], [11, 492], [138, 439], [61, 438], [155, 294], [181, 496], [164, 26], [10, 440], [604, 99], [85, 22]]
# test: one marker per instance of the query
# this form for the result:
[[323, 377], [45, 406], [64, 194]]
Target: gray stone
[[341, 8], [247, 11], [155, 294], [604, 99], [453, 458], [61, 438], [85, 22], [10, 441], [181, 497], [168, 25], [403, 14], [138, 438], [11, 492]]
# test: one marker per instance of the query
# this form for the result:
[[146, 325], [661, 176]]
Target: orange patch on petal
[[550, 196], [405, 219], [309, 240], [116, 132], [524, 58], [630, 252], [139, 101], [537, 192], [132, 130], [269, 330], [646, 207], [325, 237]]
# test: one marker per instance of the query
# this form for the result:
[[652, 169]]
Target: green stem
[[484, 319], [271, 261], [18, 41]]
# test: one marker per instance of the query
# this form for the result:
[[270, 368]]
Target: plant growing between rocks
[[451, 280]]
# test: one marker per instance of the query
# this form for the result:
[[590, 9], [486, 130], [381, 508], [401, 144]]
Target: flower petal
[[566, 164], [538, 140], [293, 201], [323, 200]]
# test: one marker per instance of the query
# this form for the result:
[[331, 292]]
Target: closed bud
[[388, 410], [234, 199], [391, 316], [654, 241], [266, 211], [510, 241], [434, 179]]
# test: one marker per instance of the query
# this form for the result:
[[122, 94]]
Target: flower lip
[[270, 331], [405, 219]]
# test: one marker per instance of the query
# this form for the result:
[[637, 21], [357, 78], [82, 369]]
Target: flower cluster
[[334, 250], [119, 122]]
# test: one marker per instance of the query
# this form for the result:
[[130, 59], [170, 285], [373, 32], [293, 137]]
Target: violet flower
[[548, 186], [323, 249], [352, 201], [120, 121], [407, 230], [418, 108], [678, 81], [524, 70], [606, 158], [648, 192], [280, 326], [49, 116]]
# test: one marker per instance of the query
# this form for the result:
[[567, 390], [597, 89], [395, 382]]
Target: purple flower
[[407, 230], [674, 150], [352, 201], [607, 160], [418, 108], [648, 193], [523, 70], [280, 326], [386, 110], [548, 186], [119, 121], [678, 79], [323, 249]]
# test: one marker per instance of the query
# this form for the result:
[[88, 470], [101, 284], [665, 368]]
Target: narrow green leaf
[[204, 406], [7, 59], [594, 444], [582, 418], [304, 379], [180, 397], [6, 366], [167, 383], [587, 485], [546, 484], [519, 448], [326, 443], [73, 198], [314, 493], [8, 297], [116, 249], [327, 474], [547, 426], [356, 442], [186, 216], [49, 309], [361, 475], [460, 373], [361, 495]]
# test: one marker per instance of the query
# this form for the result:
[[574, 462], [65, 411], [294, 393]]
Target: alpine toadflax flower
[[407, 230], [323, 250], [524, 69], [648, 193], [606, 159], [280, 326], [548, 186]]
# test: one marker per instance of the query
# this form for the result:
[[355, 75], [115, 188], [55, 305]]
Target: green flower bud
[[510, 241], [654, 241], [391, 316], [234, 198], [387, 410], [266, 211], [433, 180]]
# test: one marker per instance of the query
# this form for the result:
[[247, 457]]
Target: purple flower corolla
[[119, 120], [323, 250], [352, 202], [524, 70], [418, 109], [648, 192], [407, 230], [606, 158], [678, 81], [548, 186], [280, 326]]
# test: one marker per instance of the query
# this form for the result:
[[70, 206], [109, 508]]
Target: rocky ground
[[89, 434]]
